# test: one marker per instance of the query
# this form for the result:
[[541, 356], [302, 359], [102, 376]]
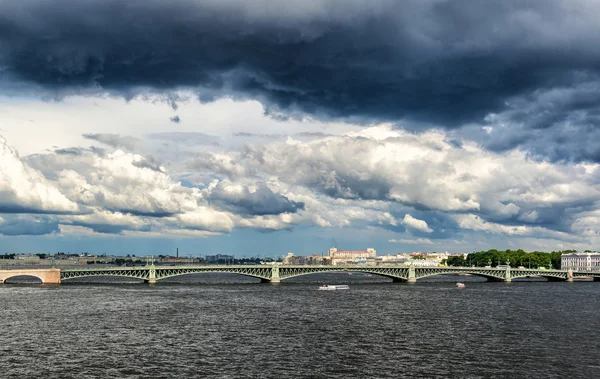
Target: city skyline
[[271, 127]]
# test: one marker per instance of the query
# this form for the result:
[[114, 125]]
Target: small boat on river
[[460, 285], [327, 287]]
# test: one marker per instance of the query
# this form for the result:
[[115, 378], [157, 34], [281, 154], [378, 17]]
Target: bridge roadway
[[275, 273]]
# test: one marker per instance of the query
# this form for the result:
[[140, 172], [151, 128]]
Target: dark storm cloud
[[108, 228], [16, 226], [560, 124], [261, 202], [77, 151], [11, 205], [150, 163], [156, 209], [134, 212], [70, 151], [445, 62]]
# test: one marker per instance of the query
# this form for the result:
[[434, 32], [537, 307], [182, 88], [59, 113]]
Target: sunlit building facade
[[580, 261], [351, 256]]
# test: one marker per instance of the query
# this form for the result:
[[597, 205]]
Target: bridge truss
[[262, 272], [275, 273], [124, 272]]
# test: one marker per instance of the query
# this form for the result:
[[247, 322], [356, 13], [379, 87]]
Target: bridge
[[276, 272]]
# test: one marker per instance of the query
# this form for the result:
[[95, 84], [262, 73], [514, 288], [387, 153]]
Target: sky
[[268, 127]]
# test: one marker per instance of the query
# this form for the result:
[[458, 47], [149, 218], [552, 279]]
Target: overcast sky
[[269, 127]]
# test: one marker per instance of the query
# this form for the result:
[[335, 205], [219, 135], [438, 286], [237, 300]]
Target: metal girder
[[257, 271], [286, 272], [274, 273], [580, 274], [135, 273], [422, 272], [523, 273]]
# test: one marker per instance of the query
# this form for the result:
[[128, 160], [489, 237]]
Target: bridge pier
[[52, 276], [272, 281], [507, 277], [412, 277], [570, 275], [151, 275], [275, 279]]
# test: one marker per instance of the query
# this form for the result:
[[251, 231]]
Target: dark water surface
[[225, 326]]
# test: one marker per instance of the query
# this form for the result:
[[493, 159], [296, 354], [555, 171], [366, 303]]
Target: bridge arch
[[489, 276], [211, 272], [550, 276], [22, 279], [394, 274], [101, 275], [47, 276], [262, 273]]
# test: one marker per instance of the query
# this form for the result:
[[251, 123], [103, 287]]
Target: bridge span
[[47, 276], [276, 273]]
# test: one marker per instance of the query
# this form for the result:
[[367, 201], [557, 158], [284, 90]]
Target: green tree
[[459, 261]]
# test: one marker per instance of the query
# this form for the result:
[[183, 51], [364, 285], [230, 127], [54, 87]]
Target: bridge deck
[[275, 273]]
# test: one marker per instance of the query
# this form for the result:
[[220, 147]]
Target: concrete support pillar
[[570, 275], [507, 277], [151, 275], [275, 279], [412, 278], [53, 276]]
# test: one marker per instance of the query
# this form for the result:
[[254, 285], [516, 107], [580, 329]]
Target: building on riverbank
[[580, 261], [351, 256], [315, 259]]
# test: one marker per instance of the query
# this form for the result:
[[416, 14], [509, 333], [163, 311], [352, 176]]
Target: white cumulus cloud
[[24, 189], [415, 223]]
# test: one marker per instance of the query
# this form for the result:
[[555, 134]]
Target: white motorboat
[[460, 285], [327, 287]]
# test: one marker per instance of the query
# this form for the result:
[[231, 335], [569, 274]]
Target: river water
[[227, 326]]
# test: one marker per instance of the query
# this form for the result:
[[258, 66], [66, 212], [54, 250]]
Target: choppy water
[[225, 326]]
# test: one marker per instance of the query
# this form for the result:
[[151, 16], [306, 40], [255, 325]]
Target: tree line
[[514, 258]]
